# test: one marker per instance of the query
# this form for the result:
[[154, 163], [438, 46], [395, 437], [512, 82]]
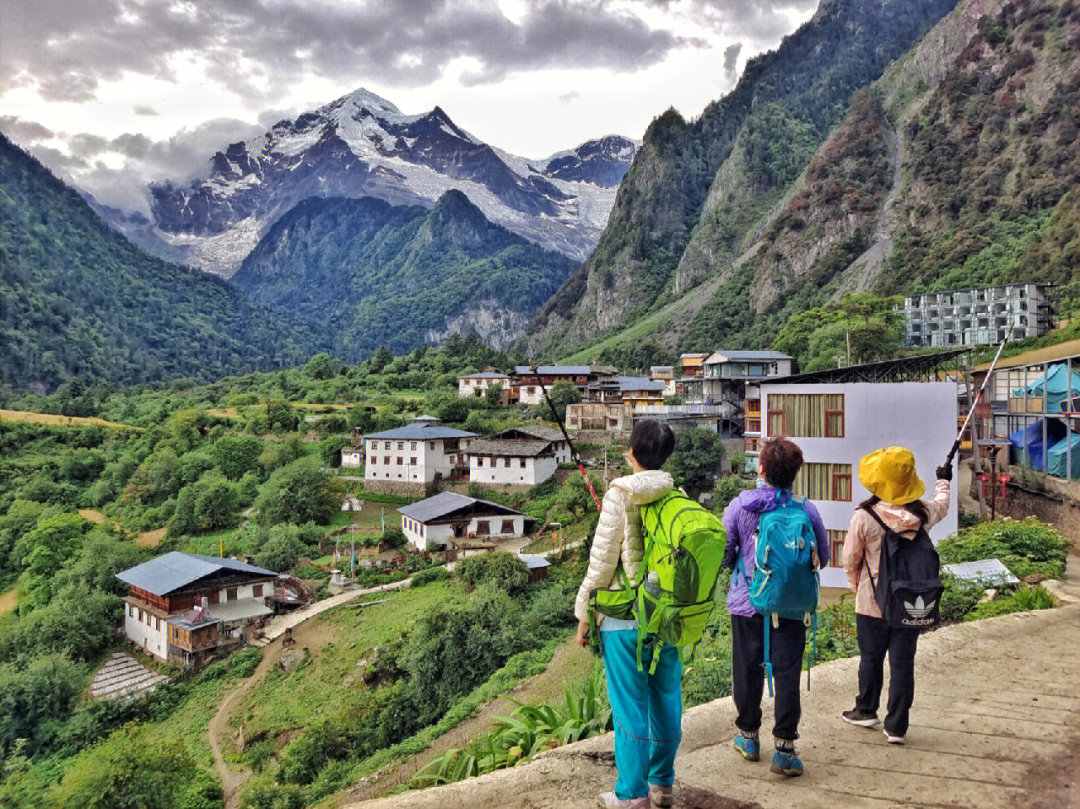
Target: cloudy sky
[[111, 94]]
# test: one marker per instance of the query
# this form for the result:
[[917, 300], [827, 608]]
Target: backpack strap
[[767, 652]]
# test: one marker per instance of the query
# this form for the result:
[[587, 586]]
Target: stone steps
[[123, 677]]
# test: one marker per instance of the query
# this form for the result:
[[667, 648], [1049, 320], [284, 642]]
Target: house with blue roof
[[412, 459], [184, 607]]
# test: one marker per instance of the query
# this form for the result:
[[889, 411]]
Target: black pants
[[786, 644], [876, 638]]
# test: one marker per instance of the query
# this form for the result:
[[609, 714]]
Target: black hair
[[915, 507], [780, 461], [652, 443]]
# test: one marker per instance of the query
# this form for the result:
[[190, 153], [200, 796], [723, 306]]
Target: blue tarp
[[1057, 388], [1056, 457], [1027, 444]]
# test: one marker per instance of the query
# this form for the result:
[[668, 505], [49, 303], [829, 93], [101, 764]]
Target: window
[[131, 611], [806, 415], [506, 462], [386, 460], [412, 461], [824, 481], [256, 591], [836, 547], [522, 463], [157, 623], [412, 445], [507, 527], [483, 528], [401, 445], [777, 423], [230, 594], [386, 445], [479, 461], [431, 445], [400, 460]]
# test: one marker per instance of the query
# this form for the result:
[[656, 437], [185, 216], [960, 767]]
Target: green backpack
[[673, 596]]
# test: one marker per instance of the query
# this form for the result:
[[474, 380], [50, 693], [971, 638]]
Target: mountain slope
[[959, 167], [365, 273], [362, 145], [696, 190], [76, 298]]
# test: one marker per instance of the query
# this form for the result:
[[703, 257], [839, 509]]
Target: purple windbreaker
[[740, 522]]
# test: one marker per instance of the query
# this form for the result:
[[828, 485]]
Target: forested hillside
[[77, 299], [696, 190], [957, 167], [363, 273]]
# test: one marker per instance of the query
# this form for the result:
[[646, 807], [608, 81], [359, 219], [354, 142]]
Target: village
[[185, 608]]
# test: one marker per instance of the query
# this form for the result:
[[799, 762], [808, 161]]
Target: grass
[[287, 700], [55, 420], [9, 601]]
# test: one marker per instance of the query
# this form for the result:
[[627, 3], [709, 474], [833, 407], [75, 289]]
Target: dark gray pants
[[876, 638], [786, 644]]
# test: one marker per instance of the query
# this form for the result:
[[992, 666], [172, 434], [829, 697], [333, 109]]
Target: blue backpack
[[786, 580]]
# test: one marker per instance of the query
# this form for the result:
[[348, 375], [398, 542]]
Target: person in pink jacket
[[895, 488]]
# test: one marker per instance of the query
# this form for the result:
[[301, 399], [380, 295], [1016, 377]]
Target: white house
[[416, 455], [184, 606], [726, 372], [836, 423], [352, 457], [446, 519], [577, 375], [478, 383], [511, 462], [665, 374]]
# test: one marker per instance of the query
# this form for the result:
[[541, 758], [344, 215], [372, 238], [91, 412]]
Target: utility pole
[[847, 342]]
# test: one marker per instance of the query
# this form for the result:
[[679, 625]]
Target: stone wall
[[400, 488], [1058, 510]]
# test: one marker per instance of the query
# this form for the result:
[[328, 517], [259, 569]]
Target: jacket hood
[[758, 500], [897, 518], [645, 487]]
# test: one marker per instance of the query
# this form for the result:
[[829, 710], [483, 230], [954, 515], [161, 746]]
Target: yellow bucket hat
[[890, 475]]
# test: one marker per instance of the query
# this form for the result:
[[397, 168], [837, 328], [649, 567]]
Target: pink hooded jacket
[[864, 536]]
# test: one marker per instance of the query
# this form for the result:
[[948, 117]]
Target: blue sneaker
[[786, 763], [748, 747]]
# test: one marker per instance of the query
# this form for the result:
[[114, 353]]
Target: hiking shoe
[[609, 801], [892, 738], [786, 763], [748, 747], [660, 796], [863, 719]]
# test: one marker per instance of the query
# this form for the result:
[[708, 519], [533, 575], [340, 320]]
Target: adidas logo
[[919, 609]]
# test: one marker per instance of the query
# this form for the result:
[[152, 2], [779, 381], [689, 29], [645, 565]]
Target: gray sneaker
[[863, 719]]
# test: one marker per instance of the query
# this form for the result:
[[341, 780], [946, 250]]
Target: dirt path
[[8, 601], [570, 663], [306, 635]]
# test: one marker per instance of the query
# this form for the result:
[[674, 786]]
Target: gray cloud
[[23, 131], [144, 109], [759, 20], [180, 157], [731, 60], [67, 47]]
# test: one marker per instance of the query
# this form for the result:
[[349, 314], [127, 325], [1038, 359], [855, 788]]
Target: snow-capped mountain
[[362, 145]]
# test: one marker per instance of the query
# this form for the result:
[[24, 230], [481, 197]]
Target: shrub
[[244, 662], [959, 597], [1024, 546], [727, 489], [1023, 600], [507, 572], [432, 574], [300, 492]]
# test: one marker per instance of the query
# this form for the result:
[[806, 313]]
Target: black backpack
[[908, 588]]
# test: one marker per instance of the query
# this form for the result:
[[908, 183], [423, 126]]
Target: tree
[[300, 492], [493, 396], [697, 459], [29, 696], [281, 550], [44, 550], [236, 454], [320, 367], [561, 394], [209, 504]]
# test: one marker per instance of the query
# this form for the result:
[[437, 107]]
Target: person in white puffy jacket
[[646, 708]]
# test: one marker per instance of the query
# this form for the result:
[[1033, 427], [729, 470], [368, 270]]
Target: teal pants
[[647, 713]]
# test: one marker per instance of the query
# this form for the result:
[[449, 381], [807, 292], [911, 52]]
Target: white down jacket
[[618, 533]]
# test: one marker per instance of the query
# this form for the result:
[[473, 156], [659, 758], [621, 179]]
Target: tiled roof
[[554, 370], [484, 375], [515, 447], [421, 432], [174, 570], [545, 433], [742, 356], [446, 503], [638, 383]]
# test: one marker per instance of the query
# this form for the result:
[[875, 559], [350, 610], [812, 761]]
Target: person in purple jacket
[[779, 462]]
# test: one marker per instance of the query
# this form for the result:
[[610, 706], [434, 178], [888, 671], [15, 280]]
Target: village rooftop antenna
[[573, 452], [975, 401]]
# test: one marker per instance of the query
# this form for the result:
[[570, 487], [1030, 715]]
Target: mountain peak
[[364, 99]]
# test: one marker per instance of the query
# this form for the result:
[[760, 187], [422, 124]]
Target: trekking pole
[[573, 452], [975, 402]]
